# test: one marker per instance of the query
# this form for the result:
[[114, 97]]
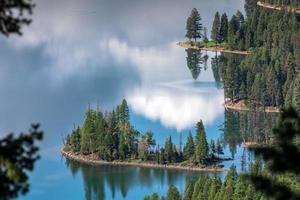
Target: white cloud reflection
[[177, 106]]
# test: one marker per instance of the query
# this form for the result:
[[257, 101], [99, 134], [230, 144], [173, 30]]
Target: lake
[[97, 53]]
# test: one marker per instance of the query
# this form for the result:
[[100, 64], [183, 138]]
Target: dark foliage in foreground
[[12, 15], [18, 155], [281, 158]]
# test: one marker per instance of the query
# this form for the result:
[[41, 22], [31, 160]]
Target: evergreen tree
[[212, 148], [296, 94], [75, 140], [189, 28], [223, 28], [205, 38], [146, 143], [215, 31], [201, 143], [189, 148], [219, 148], [169, 150], [189, 189], [194, 25], [173, 193], [88, 133], [197, 190]]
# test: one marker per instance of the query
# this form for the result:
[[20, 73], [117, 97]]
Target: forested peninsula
[[111, 139], [268, 77]]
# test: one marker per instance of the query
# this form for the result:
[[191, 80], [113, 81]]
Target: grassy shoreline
[[210, 47], [92, 161]]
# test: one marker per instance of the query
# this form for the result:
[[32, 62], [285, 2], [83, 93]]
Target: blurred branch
[[12, 15], [17, 158]]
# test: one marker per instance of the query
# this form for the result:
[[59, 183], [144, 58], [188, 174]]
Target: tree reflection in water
[[104, 182]]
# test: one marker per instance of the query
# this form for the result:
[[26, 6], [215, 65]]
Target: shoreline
[[90, 161], [240, 106], [214, 49], [278, 7]]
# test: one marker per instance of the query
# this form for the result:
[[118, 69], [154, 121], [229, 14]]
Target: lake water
[[99, 52]]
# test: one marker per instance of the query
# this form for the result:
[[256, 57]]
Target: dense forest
[[111, 137], [234, 187], [269, 75], [273, 175]]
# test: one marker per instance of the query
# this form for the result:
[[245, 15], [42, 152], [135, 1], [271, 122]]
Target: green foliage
[[223, 28], [189, 189], [194, 25], [215, 30], [73, 140], [17, 157], [234, 187], [296, 94], [189, 148], [12, 16], [281, 177], [173, 193], [267, 76], [202, 150], [145, 144]]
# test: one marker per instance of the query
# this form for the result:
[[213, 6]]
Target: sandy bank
[[241, 106], [279, 7], [215, 49], [91, 161]]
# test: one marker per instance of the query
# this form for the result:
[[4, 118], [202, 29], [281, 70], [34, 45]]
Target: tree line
[[273, 175], [112, 137], [234, 187], [269, 76]]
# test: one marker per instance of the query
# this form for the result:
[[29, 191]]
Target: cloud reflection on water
[[179, 105]]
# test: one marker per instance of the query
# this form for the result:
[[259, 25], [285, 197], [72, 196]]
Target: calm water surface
[[99, 52]]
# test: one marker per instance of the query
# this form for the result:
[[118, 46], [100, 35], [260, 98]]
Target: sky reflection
[[179, 105]]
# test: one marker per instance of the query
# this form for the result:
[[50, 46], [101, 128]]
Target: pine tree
[[189, 148], [223, 28], [215, 31], [212, 148], [189, 189], [173, 193], [194, 25], [169, 150], [189, 28], [197, 190], [75, 140], [296, 94], [202, 150], [88, 133], [214, 188], [205, 38], [219, 148]]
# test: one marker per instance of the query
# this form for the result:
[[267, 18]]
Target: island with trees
[[111, 139], [224, 34], [268, 78]]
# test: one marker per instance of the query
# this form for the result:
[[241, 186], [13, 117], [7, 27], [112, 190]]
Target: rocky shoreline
[[279, 7], [213, 49], [241, 106], [89, 160]]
